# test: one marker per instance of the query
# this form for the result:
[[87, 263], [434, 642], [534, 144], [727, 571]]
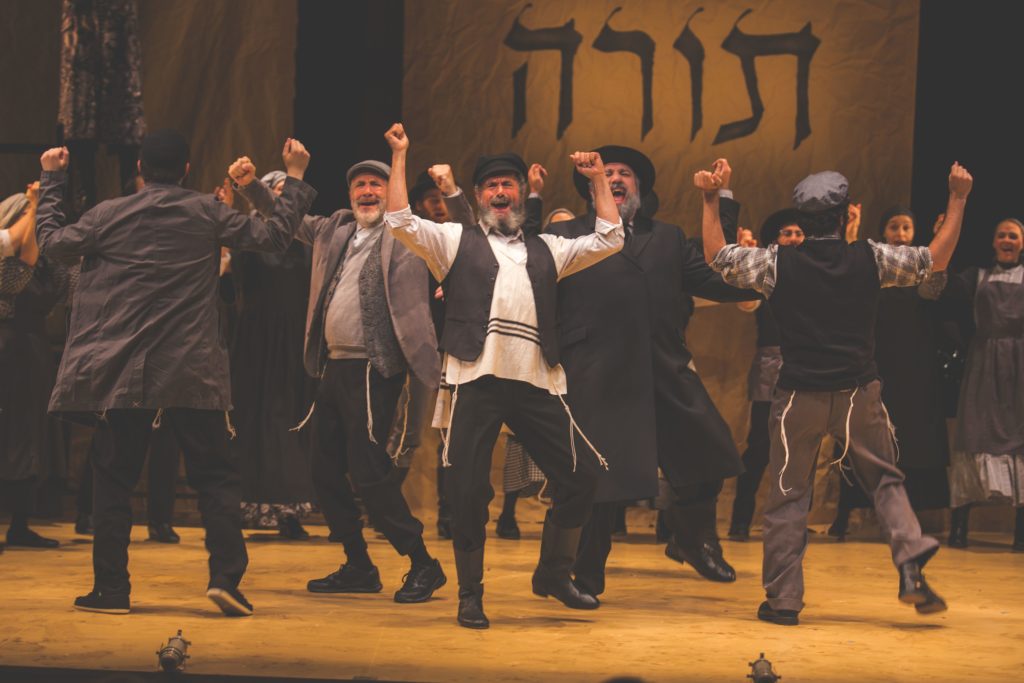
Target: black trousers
[[345, 448], [755, 460], [541, 423], [691, 519], [160, 484], [212, 471]]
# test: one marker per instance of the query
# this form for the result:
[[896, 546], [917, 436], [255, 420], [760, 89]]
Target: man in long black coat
[[630, 383]]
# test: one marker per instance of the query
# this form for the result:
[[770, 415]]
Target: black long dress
[[271, 391]]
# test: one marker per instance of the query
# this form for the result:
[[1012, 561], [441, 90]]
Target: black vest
[[824, 301], [469, 289]]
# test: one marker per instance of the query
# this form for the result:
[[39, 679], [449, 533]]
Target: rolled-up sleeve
[[574, 254], [747, 267], [901, 266], [435, 243]]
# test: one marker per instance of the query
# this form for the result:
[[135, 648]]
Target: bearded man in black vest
[[501, 350], [824, 296]]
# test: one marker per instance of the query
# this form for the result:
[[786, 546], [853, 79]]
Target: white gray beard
[[506, 225], [369, 220], [628, 208]]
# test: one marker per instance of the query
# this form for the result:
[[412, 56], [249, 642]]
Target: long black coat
[[145, 323], [621, 328]]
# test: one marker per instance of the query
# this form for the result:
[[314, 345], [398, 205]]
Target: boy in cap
[[824, 295], [144, 347], [501, 348], [368, 336]]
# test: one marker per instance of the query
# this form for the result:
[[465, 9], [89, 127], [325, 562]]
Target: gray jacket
[[145, 322], [406, 284]]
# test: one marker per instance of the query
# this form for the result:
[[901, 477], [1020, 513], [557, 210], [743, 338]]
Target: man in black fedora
[[502, 358], [628, 313]]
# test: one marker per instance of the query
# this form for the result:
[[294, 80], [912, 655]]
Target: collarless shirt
[[343, 328]]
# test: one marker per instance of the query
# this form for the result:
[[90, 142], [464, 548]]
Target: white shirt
[[512, 346], [6, 246]]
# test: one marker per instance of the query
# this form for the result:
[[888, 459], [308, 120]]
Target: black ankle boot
[[470, 568], [1018, 532], [695, 541], [558, 548], [840, 525], [914, 590], [958, 527]]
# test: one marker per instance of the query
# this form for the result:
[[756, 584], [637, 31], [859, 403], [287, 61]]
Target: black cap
[[635, 159], [892, 212], [498, 164], [164, 152], [774, 224], [424, 184]]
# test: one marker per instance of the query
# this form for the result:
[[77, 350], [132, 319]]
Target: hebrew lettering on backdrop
[[689, 45], [748, 48], [566, 39], [640, 44]]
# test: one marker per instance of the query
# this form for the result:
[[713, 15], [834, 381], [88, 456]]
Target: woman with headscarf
[[31, 442], [270, 388], [987, 464], [906, 350]]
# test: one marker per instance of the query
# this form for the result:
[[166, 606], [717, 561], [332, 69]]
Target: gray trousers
[[809, 417]]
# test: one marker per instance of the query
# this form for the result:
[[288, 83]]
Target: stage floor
[[658, 620]]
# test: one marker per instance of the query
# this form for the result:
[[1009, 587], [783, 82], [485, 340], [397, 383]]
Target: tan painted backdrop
[[458, 102]]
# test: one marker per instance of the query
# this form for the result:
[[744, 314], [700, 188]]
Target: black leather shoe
[[508, 528], [231, 601], [421, 582], [291, 529], [26, 538], [83, 525], [563, 590], [557, 555], [914, 590], [706, 559], [163, 533], [104, 602], [739, 532], [444, 528], [348, 579], [782, 617], [471, 610]]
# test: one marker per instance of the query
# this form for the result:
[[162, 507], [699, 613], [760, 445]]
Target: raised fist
[[724, 171], [707, 181], [745, 238], [853, 222], [589, 164], [243, 171], [442, 176], [535, 176], [32, 192], [295, 157], [55, 159], [960, 181], [397, 139]]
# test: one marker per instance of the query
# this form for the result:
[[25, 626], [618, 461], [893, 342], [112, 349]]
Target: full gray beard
[[369, 220], [628, 208], [506, 225]]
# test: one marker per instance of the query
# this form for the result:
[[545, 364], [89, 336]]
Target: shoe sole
[[377, 589], [710, 577], [442, 580], [103, 610], [228, 604], [475, 627], [931, 607], [913, 598], [542, 594], [780, 621]]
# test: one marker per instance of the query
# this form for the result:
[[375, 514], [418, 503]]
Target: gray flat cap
[[821, 191], [369, 166]]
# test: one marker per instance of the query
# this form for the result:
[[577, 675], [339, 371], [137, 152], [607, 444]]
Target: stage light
[[174, 653], [761, 671]]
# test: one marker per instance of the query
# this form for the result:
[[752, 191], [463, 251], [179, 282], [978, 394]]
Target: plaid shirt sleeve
[[747, 267], [900, 266]]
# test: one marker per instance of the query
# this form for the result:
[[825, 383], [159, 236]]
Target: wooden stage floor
[[658, 621]]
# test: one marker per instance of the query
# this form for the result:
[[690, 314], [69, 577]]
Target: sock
[[355, 552], [420, 556]]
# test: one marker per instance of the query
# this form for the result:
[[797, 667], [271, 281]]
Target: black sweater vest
[[469, 289], [824, 301]]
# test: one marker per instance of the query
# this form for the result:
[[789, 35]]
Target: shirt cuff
[[534, 195], [724, 192], [6, 246], [453, 195], [53, 176], [723, 258], [398, 219], [604, 227]]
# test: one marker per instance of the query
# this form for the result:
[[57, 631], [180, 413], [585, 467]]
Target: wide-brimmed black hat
[[635, 159], [505, 163], [774, 224], [424, 184]]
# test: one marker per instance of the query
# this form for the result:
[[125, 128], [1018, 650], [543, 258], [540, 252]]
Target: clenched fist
[[745, 238], [960, 181], [724, 171], [397, 139], [589, 164], [32, 192], [295, 157], [535, 176], [55, 159], [442, 176], [243, 171], [707, 181]]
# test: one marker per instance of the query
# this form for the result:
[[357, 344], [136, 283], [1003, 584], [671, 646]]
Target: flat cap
[[498, 164], [821, 191], [369, 166]]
